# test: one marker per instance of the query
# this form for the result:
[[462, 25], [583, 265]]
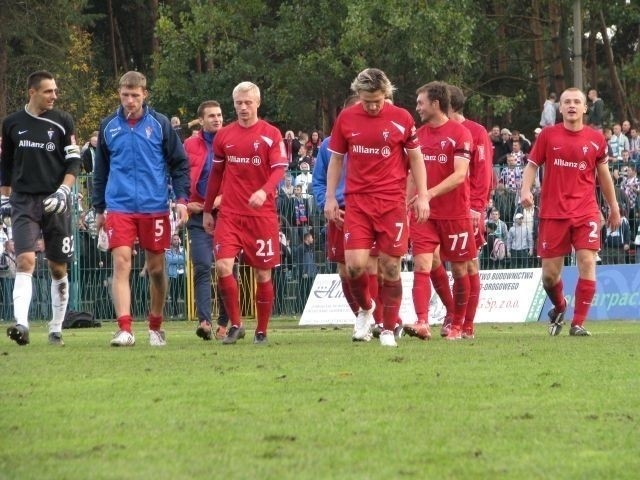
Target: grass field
[[514, 404]]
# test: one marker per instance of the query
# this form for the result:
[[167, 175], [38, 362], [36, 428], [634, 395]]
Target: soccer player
[[137, 151], [375, 133], [39, 164], [199, 150], [446, 149], [480, 175], [251, 155], [335, 231], [573, 155]]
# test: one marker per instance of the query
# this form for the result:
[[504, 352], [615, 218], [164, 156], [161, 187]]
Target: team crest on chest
[[50, 133], [443, 144], [148, 131], [585, 149], [256, 145], [385, 134]]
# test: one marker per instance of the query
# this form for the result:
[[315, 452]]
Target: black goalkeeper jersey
[[33, 156]]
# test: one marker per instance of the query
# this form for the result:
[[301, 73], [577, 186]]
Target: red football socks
[[461, 298], [440, 280], [391, 298], [474, 298], [229, 290], [556, 295], [585, 291], [421, 295], [360, 290], [155, 321], [124, 323], [264, 302]]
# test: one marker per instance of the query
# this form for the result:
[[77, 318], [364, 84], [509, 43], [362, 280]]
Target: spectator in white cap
[[304, 179]]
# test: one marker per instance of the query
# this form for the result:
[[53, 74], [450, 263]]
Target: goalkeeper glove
[[57, 201]]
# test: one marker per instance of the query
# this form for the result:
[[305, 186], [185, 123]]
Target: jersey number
[[67, 245], [159, 228], [261, 248], [594, 230], [454, 240]]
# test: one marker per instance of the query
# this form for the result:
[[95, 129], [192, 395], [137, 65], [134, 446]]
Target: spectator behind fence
[[175, 262], [138, 150], [519, 243], [39, 181], [304, 179], [549, 109], [306, 266], [634, 146], [617, 242], [500, 228], [7, 279], [595, 112]]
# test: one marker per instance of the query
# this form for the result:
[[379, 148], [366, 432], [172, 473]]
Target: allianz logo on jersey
[[440, 158], [236, 159], [384, 151], [559, 162], [49, 146]]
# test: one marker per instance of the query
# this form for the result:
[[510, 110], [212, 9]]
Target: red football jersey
[[570, 161], [375, 146], [481, 166], [439, 146], [249, 155]]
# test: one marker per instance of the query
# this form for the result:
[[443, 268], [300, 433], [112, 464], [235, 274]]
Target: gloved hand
[[57, 201], [71, 152]]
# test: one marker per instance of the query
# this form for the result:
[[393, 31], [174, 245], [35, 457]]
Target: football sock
[[124, 323], [474, 298], [585, 291], [59, 301], [440, 280], [346, 290], [155, 321], [391, 298], [556, 295], [360, 290], [264, 301], [22, 292], [461, 298], [421, 293], [229, 291], [374, 292]]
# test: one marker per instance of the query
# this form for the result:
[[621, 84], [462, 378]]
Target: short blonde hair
[[133, 79], [245, 87]]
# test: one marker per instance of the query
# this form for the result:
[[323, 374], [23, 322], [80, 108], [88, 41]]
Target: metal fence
[[90, 273]]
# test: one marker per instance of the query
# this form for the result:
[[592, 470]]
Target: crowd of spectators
[[511, 229]]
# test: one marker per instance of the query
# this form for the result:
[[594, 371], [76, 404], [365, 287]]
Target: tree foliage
[[304, 53]]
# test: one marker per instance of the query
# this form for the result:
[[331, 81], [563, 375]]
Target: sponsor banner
[[505, 296], [617, 293]]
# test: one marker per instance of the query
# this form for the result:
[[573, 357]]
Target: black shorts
[[28, 219]]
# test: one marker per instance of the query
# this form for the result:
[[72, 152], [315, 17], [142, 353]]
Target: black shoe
[[260, 338], [579, 331], [55, 338], [377, 330], [18, 333], [204, 330], [234, 334], [556, 321]]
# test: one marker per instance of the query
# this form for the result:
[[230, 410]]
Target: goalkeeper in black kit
[[38, 167]]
